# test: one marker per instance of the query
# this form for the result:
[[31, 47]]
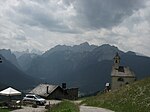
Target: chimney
[[47, 89], [63, 85]]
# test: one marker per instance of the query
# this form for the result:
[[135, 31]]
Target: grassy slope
[[4, 110], [130, 98], [65, 106]]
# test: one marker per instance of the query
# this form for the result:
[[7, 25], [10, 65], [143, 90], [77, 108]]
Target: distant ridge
[[83, 47], [85, 67]]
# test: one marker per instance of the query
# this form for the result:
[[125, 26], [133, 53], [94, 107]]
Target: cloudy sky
[[42, 24]]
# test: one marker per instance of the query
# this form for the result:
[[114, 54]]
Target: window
[[127, 83], [30, 97], [116, 61], [121, 79], [38, 97]]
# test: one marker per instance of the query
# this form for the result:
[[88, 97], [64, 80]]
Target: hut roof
[[44, 89]]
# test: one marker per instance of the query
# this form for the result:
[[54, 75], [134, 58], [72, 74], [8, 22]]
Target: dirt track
[[93, 109], [38, 109], [30, 109]]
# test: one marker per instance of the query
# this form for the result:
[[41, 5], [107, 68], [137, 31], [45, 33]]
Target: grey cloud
[[21, 38], [41, 15], [105, 13], [68, 2], [90, 14]]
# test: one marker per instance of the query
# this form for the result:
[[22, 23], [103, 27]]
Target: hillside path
[[93, 109], [30, 109]]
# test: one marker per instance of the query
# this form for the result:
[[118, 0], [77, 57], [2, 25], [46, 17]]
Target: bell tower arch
[[116, 61]]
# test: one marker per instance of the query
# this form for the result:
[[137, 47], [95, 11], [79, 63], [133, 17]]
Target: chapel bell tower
[[116, 61]]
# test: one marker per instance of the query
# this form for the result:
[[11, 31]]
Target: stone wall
[[118, 81]]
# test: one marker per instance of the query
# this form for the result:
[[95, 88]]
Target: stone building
[[121, 75], [55, 92]]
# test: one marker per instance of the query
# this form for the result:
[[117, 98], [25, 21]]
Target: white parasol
[[10, 92]]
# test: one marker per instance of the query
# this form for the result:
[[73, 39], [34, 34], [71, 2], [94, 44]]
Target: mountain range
[[88, 68], [85, 66]]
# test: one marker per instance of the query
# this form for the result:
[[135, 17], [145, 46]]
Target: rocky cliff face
[[9, 56]]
